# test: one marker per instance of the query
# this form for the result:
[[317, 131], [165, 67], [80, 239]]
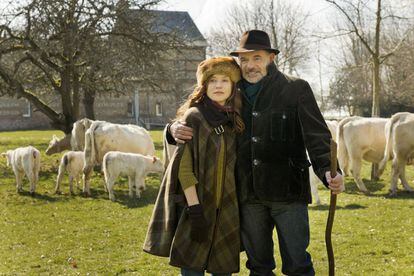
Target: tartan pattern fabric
[[219, 253], [164, 219]]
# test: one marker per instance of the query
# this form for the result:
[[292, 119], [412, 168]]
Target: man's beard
[[253, 76]]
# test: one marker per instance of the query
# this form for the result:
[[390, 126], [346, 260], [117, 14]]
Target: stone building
[[142, 105]]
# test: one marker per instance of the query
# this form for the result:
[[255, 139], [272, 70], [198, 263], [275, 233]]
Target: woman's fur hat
[[217, 65]]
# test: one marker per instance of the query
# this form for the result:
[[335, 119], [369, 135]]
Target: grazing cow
[[168, 149], [24, 161], [57, 145], [134, 166], [400, 147], [72, 162], [360, 139], [314, 180], [102, 137]]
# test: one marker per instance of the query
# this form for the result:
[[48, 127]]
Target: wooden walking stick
[[332, 207]]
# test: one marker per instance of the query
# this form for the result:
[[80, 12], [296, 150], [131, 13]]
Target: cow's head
[[8, 155], [58, 145], [54, 146], [157, 165]]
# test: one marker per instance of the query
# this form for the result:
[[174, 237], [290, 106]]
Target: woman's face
[[219, 88]]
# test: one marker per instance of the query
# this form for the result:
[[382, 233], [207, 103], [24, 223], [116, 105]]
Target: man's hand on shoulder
[[336, 184], [180, 132]]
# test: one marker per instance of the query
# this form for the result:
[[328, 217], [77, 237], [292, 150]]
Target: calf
[[134, 166], [24, 161], [72, 162]]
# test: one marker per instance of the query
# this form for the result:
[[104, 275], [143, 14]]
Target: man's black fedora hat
[[254, 40]]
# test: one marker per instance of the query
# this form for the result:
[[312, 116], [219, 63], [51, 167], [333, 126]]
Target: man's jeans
[[292, 224], [188, 272]]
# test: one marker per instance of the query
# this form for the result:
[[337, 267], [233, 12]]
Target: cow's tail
[[104, 168], [389, 129], [343, 157], [90, 152], [34, 165]]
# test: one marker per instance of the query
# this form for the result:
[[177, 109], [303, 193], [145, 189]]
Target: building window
[[158, 109], [130, 109], [27, 112]]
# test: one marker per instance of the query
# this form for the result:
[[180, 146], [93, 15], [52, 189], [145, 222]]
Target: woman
[[196, 218]]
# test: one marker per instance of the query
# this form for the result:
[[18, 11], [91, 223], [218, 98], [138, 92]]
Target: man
[[282, 121]]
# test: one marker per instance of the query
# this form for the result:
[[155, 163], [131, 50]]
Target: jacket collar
[[272, 70]]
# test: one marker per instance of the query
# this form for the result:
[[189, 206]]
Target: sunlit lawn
[[67, 235]]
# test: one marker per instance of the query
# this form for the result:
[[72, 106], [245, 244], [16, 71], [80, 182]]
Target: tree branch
[[43, 55], [396, 48], [356, 30], [21, 92], [45, 71]]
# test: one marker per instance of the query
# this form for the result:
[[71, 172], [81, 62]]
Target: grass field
[[71, 235]]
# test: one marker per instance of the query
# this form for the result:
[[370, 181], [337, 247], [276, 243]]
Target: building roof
[[172, 21]]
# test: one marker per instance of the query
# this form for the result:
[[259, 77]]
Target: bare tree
[[358, 15], [282, 20], [62, 48], [399, 76], [350, 86]]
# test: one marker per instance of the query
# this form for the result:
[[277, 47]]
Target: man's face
[[253, 64]]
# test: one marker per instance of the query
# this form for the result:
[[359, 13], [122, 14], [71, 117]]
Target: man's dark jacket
[[281, 124]]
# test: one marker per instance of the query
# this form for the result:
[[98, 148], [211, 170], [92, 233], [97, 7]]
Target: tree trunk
[[66, 76], [375, 111], [88, 103], [376, 90], [75, 98]]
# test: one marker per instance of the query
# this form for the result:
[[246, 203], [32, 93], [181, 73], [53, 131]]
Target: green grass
[[69, 235]]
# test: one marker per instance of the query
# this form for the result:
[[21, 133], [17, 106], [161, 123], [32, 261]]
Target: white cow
[[134, 166], [400, 146], [72, 162], [360, 139], [314, 180], [102, 137], [24, 161]]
